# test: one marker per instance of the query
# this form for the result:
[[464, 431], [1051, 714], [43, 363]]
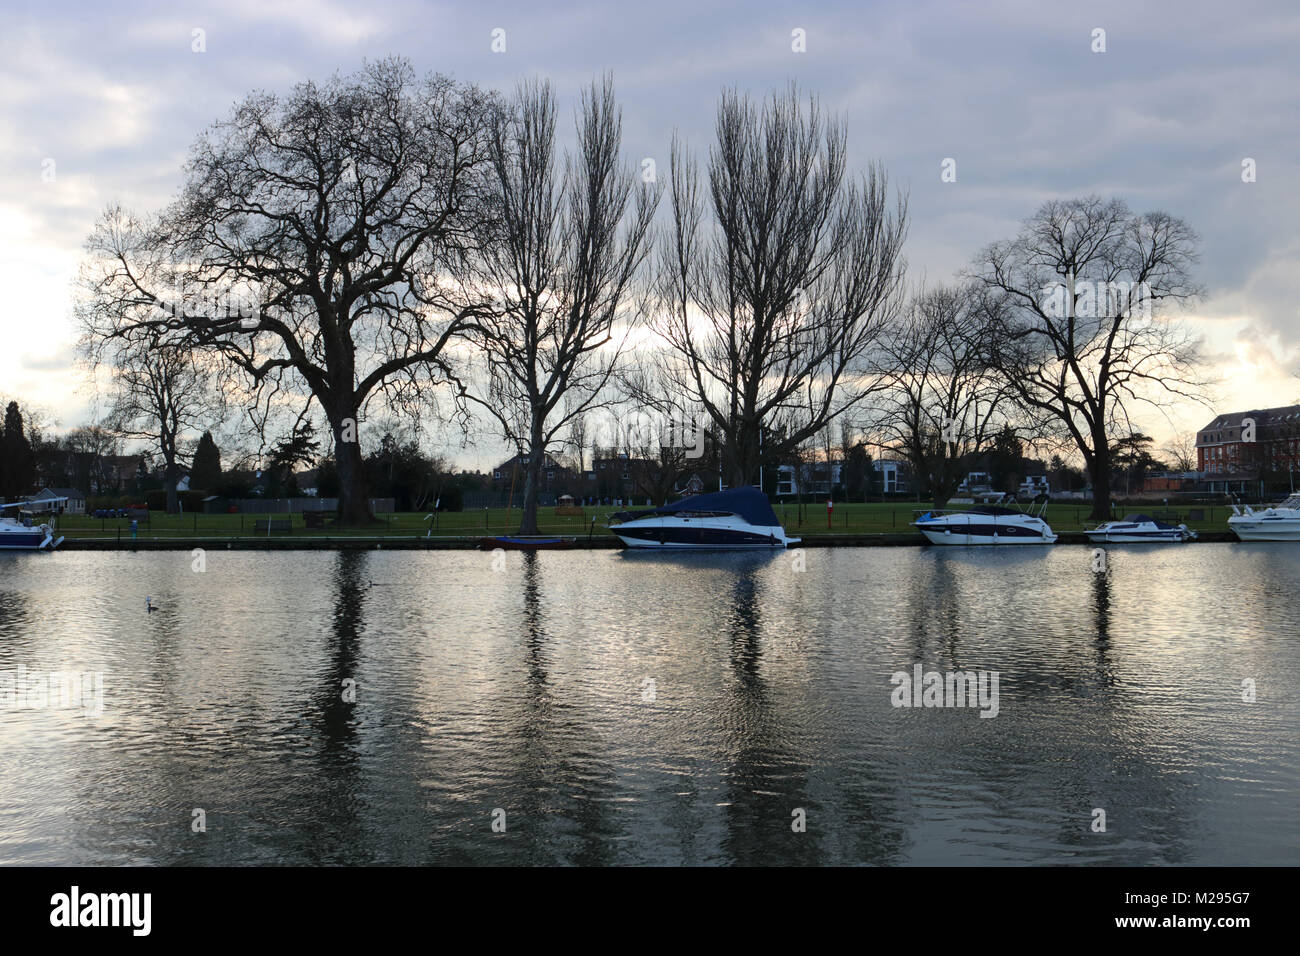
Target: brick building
[[1238, 451]]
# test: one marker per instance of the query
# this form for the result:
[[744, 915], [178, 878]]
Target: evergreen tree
[[1005, 460], [19, 469], [205, 472]]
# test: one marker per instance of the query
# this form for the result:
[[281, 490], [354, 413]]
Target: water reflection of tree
[[1104, 668], [338, 781], [767, 778], [555, 753], [935, 604]]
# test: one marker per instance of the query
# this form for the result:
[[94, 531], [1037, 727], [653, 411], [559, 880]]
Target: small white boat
[[20, 532], [1136, 528], [985, 524], [1277, 523], [741, 519]]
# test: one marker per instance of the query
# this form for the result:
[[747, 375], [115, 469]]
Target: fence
[[476, 500], [287, 506]]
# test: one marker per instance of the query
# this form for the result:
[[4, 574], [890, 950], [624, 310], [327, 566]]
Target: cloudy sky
[[99, 103]]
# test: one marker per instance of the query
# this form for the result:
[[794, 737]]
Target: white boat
[[985, 524], [20, 532], [741, 519], [1277, 523], [1136, 528]]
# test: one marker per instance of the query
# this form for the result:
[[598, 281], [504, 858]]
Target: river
[[598, 707]]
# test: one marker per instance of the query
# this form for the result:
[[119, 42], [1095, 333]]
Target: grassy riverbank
[[876, 518]]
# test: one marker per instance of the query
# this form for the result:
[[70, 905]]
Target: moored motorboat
[[985, 524], [19, 532], [1277, 523], [1137, 528], [740, 519]]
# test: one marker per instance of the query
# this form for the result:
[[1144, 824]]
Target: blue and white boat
[[740, 519], [985, 524], [1139, 528], [19, 530]]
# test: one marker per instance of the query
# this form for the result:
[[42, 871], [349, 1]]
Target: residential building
[[513, 471], [810, 478], [891, 475], [1239, 451], [75, 505]]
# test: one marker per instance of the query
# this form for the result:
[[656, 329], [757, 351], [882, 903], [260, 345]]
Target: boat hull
[[685, 534], [976, 528], [36, 540], [1136, 537], [948, 536], [1265, 530]]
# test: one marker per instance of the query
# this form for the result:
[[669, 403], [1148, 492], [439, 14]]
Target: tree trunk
[[744, 458], [532, 480], [354, 502], [171, 477], [1101, 482]]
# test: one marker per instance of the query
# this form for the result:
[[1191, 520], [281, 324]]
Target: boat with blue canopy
[[738, 519]]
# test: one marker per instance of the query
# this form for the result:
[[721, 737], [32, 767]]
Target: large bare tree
[[776, 284], [563, 259], [319, 244], [942, 396], [1079, 331]]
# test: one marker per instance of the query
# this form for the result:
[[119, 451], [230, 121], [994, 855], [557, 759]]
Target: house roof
[[1262, 416], [510, 462], [59, 493]]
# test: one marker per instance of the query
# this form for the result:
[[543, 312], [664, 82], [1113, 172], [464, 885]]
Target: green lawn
[[872, 518]]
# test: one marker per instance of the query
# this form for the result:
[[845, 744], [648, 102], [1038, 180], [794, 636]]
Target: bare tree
[[1079, 334], [578, 439], [319, 245], [562, 258], [774, 291], [90, 451], [943, 396], [1181, 451], [162, 396]]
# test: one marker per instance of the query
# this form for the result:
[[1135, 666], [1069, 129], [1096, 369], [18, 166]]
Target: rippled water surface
[[654, 709]]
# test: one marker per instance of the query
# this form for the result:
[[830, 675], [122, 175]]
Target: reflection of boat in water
[[523, 543], [1136, 528], [740, 519], [985, 524], [20, 532], [1278, 523]]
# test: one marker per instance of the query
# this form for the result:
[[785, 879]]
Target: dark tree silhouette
[[562, 258], [943, 396], [17, 461], [205, 471], [319, 244], [1079, 333], [776, 282]]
